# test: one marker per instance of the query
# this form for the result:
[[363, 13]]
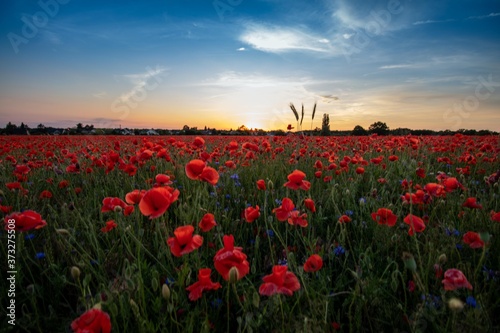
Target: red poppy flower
[[411, 286], [344, 219], [279, 282], [384, 216], [183, 241], [63, 184], [473, 239], [231, 256], [416, 224], [295, 218], [134, 197], [109, 204], [110, 225], [283, 211], [310, 205], [313, 263], [420, 173], [198, 142], [204, 283], [46, 194], [435, 190], [230, 164], [25, 221], [194, 169], [156, 201], [261, 185], [5, 209], [197, 170], [92, 321], [209, 175], [251, 213], [14, 186], [455, 279], [451, 183], [495, 216], [360, 170], [289, 127], [296, 181], [21, 169], [162, 179], [393, 158], [472, 203], [438, 271], [207, 222]]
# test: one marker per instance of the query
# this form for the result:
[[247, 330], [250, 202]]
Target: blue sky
[[224, 63]]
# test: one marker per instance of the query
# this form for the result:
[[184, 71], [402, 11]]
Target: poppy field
[[250, 234]]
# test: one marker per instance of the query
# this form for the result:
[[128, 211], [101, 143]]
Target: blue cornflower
[[283, 262], [270, 233], [471, 301], [169, 281], [349, 212], [216, 303], [278, 202], [339, 250], [29, 236], [40, 255]]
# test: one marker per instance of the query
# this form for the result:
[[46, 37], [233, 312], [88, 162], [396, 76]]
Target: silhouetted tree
[[359, 130], [379, 128], [325, 125]]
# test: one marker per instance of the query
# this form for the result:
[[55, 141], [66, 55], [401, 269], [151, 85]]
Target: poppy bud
[[135, 307], [485, 236], [270, 184], [1, 193], [62, 231], [75, 272], [455, 304], [30, 288], [409, 262], [165, 291], [347, 192], [98, 306], [442, 258], [233, 275], [117, 209]]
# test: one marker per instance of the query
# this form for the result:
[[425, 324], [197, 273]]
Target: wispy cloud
[[276, 39], [100, 94], [433, 21], [478, 17], [140, 81], [241, 49], [481, 17], [397, 66]]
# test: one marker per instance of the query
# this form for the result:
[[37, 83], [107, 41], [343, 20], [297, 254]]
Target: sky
[[225, 63]]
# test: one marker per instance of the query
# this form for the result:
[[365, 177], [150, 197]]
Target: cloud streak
[[140, 81], [279, 39]]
